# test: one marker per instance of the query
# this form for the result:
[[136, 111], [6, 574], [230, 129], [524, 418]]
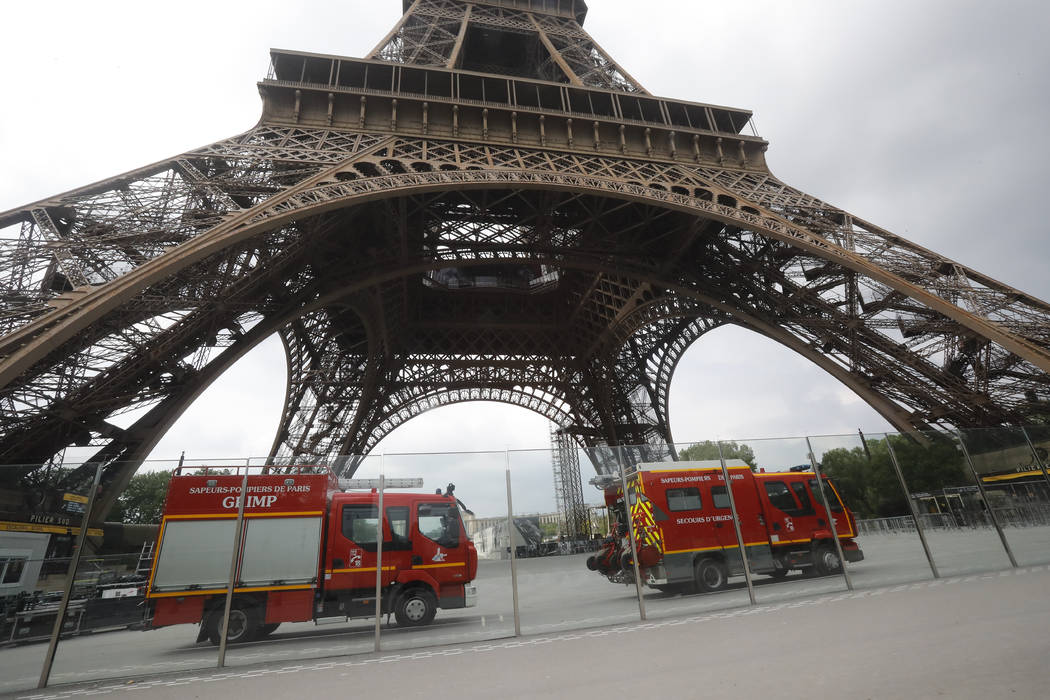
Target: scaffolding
[[568, 488]]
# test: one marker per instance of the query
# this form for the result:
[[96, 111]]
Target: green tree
[[709, 450], [143, 500], [868, 484]]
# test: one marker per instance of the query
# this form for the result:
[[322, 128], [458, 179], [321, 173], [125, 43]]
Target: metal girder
[[421, 233], [432, 32]]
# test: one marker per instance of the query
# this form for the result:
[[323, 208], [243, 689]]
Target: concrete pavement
[[979, 636]]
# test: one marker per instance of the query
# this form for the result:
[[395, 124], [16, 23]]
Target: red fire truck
[[307, 552], [683, 525]]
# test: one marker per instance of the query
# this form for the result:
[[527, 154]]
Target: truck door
[[788, 520], [842, 523], [439, 541]]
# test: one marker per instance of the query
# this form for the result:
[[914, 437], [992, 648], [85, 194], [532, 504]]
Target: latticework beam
[[423, 233]]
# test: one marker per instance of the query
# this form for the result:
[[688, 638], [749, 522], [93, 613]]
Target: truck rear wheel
[[711, 575], [244, 624], [415, 607]]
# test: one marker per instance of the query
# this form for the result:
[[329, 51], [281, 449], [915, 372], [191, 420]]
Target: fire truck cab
[[683, 525], [307, 551]]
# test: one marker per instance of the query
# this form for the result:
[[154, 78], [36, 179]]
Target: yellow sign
[[49, 529], [74, 498]]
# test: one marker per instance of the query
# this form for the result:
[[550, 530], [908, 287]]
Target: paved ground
[[557, 594], [971, 636]]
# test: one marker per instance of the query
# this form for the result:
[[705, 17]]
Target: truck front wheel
[[415, 607], [711, 575], [826, 560]]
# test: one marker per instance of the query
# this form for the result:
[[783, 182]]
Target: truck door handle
[[337, 564], [718, 524], [776, 526], [416, 559]]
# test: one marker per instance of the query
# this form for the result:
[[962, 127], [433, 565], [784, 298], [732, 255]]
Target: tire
[[592, 563], [244, 624], [826, 560], [415, 607], [711, 575]]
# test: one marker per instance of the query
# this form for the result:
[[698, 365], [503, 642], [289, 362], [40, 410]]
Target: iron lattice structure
[[487, 207], [568, 486]]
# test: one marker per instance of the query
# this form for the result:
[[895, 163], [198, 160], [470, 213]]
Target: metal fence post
[[513, 555], [984, 497], [911, 504], [379, 550], [630, 535], [830, 513], [736, 527], [233, 566], [1035, 453], [56, 630]]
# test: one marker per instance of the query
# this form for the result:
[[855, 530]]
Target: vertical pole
[[630, 536], [513, 555], [987, 503], [736, 527], [63, 606], [911, 504], [379, 550], [830, 513], [1038, 459], [233, 565]]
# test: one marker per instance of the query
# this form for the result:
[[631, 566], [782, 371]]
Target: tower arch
[[550, 225]]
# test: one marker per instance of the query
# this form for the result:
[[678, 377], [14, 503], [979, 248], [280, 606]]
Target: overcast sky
[[927, 118]]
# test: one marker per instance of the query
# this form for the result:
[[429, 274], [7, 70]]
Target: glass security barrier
[[864, 472], [286, 567], [572, 570], [781, 520], [29, 598], [433, 588], [942, 488], [1010, 464], [149, 590], [448, 552], [40, 517], [682, 517], [145, 581]]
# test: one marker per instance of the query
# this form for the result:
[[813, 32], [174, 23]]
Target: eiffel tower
[[486, 207]]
